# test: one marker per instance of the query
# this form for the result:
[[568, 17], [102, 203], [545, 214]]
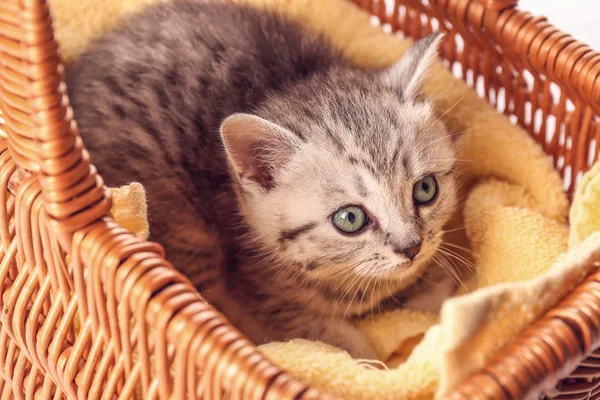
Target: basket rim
[[42, 133]]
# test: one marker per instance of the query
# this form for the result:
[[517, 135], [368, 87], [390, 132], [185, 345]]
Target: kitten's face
[[312, 217], [357, 185]]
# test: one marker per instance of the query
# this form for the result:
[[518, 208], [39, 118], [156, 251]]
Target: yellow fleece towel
[[585, 219], [514, 216], [130, 209]]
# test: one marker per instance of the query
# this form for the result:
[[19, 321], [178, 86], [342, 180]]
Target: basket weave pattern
[[117, 320]]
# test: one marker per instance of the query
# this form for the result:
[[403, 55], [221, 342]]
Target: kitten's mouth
[[416, 266]]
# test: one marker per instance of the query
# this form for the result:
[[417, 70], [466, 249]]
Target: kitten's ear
[[256, 147], [408, 72]]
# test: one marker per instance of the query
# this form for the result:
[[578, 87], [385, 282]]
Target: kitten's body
[[150, 99]]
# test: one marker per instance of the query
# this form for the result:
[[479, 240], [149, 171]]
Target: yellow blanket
[[514, 217]]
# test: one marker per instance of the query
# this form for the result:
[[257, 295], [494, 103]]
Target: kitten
[[295, 191]]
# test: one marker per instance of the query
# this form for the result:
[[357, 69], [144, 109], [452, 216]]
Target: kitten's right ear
[[408, 72], [256, 147]]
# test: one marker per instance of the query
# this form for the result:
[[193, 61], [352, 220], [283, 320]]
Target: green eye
[[424, 190], [350, 219]]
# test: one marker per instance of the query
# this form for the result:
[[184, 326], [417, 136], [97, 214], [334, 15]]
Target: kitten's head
[[348, 173]]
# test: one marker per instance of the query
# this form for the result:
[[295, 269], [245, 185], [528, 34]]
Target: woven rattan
[[116, 320]]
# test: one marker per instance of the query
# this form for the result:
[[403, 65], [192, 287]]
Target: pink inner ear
[[255, 147], [255, 163], [248, 148]]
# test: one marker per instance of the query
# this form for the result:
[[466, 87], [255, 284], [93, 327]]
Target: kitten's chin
[[410, 272]]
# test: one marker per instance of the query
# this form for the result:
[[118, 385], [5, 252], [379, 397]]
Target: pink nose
[[410, 252]]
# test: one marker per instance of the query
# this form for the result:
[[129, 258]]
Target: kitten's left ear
[[408, 72], [257, 148]]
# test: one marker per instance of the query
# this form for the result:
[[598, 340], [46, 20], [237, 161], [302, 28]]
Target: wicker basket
[[117, 319]]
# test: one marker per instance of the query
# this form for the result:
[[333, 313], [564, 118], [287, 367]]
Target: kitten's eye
[[350, 219], [424, 190]]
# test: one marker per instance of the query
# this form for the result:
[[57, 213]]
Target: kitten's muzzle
[[410, 252]]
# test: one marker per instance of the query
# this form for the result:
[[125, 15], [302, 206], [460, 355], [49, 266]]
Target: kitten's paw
[[346, 336], [361, 350], [432, 296]]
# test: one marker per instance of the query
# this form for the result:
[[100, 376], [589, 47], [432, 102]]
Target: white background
[[579, 18]]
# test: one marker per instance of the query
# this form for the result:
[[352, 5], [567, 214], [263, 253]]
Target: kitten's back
[[180, 68], [149, 98]]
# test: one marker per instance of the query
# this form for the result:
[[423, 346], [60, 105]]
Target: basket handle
[[498, 5], [41, 132]]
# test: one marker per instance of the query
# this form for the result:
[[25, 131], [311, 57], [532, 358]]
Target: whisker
[[429, 144], [379, 296], [457, 246], [445, 264], [349, 268], [472, 267], [455, 254], [347, 291], [348, 276], [455, 171], [355, 293], [369, 364], [444, 114], [392, 294], [373, 308], [452, 159], [480, 214], [361, 299]]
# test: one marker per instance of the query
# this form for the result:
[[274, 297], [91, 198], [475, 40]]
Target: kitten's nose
[[410, 252]]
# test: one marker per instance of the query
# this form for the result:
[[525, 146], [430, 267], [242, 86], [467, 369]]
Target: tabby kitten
[[296, 191]]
